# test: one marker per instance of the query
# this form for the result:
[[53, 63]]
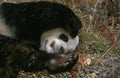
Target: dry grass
[[99, 49]]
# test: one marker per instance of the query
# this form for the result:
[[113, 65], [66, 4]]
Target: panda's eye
[[63, 37]]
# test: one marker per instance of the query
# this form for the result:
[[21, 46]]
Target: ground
[[99, 48]]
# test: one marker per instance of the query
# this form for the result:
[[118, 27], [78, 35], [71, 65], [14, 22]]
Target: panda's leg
[[6, 71], [53, 62], [14, 54], [61, 62]]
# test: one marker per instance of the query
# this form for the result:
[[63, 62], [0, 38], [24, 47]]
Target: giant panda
[[30, 21], [39, 32]]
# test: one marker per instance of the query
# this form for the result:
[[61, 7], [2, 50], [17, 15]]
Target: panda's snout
[[57, 48]]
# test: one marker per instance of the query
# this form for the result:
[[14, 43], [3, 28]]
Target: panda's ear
[[73, 26]]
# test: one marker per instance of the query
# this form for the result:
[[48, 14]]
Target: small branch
[[109, 49]]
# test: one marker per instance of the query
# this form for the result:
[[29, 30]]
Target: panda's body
[[52, 27], [28, 21], [32, 19]]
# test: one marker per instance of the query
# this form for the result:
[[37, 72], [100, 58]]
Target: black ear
[[73, 26]]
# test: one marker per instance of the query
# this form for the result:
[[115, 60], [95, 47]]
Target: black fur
[[33, 18]]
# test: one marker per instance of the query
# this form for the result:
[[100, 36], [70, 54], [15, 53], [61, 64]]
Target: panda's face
[[58, 41]]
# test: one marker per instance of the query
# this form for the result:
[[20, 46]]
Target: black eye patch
[[63, 37]]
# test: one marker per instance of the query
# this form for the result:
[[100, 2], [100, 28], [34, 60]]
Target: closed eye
[[63, 37]]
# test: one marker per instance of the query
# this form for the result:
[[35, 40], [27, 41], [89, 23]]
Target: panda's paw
[[61, 63]]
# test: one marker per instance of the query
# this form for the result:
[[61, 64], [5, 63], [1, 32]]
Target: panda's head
[[58, 41]]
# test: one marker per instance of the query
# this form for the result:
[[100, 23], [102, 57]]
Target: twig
[[109, 49]]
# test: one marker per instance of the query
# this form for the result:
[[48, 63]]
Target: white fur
[[57, 44], [51, 36], [52, 61], [6, 30]]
